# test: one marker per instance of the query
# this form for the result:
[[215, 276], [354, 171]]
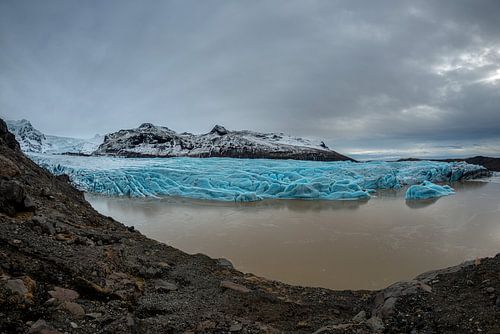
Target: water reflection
[[421, 203], [468, 185]]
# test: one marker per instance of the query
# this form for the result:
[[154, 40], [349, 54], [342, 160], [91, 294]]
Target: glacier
[[244, 180], [428, 190], [32, 140]]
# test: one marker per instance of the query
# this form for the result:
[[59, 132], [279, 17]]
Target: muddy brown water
[[338, 245]]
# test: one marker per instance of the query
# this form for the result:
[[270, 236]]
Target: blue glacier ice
[[428, 190], [245, 180]]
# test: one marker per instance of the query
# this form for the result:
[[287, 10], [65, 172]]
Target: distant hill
[[493, 164]]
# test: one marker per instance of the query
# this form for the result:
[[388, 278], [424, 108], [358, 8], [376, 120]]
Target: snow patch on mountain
[[158, 141], [29, 138], [32, 140], [60, 145]]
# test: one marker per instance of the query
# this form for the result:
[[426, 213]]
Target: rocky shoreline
[[66, 268]]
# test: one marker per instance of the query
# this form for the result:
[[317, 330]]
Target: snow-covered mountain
[[34, 141], [29, 138], [59, 145], [149, 140]]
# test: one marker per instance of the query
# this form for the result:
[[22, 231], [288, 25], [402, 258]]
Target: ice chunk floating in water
[[428, 190], [228, 179]]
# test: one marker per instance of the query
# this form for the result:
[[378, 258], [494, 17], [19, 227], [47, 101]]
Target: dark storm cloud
[[406, 72]]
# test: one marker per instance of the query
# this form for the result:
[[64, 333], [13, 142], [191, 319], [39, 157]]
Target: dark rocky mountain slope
[[149, 140]]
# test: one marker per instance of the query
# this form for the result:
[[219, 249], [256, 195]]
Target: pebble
[[17, 286], [388, 307], [46, 226], [73, 308], [206, 325], [164, 286], [51, 301], [42, 327], [64, 295], [150, 272], [130, 320], [322, 330], [330, 328], [224, 263], [490, 289], [29, 204], [425, 287], [235, 328], [235, 287], [62, 237], [164, 265], [74, 325], [94, 315], [360, 317], [375, 324], [302, 324]]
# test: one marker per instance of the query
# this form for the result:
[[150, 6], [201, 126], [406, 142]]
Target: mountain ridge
[[150, 140], [35, 141]]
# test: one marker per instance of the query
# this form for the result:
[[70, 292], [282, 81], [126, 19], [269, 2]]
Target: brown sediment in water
[[332, 244]]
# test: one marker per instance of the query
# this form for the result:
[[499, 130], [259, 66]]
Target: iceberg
[[244, 180], [428, 190]]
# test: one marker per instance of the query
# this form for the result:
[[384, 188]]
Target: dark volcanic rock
[[220, 130], [7, 138], [149, 140], [13, 198]]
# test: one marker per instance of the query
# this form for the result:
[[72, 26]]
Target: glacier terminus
[[243, 180]]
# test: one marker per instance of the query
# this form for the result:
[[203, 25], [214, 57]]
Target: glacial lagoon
[[340, 225], [334, 244]]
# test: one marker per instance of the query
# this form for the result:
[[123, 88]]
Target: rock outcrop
[[149, 140]]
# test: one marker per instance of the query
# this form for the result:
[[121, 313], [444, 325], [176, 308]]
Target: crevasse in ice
[[428, 190], [228, 179]]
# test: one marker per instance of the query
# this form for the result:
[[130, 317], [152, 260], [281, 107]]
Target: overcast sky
[[366, 76]]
